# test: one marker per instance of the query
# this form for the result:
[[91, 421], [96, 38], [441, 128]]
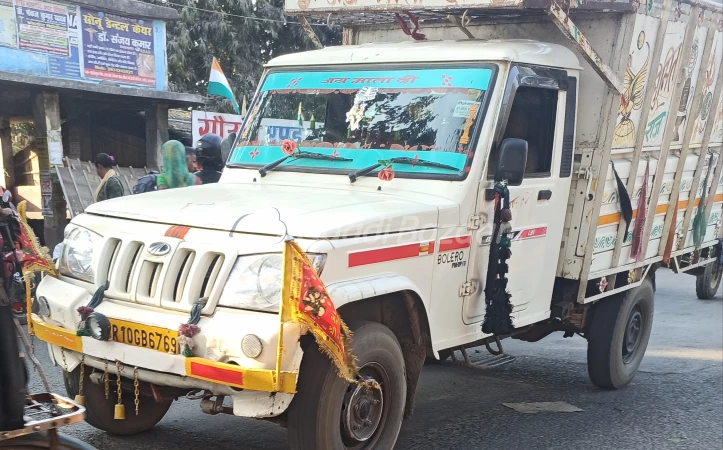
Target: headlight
[[255, 282], [76, 260]]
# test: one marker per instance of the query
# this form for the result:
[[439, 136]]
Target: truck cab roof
[[517, 50]]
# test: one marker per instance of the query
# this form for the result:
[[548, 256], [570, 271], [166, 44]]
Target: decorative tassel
[[636, 248], [671, 234], [85, 311], [700, 221], [186, 331], [626, 206], [312, 123], [498, 320]]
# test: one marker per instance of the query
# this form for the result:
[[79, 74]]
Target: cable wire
[[259, 19]]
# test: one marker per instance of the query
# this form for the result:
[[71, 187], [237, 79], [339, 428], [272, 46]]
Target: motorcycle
[[27, 421], [12, 258]]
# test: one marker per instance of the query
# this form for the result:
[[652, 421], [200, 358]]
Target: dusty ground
[[675, 402]]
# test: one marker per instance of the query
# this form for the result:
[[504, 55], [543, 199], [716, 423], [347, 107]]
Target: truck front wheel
[[618, 336], [328, 413], [99, 410], [706, 284]]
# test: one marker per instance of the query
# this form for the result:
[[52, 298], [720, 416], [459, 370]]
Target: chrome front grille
[[175, 280]]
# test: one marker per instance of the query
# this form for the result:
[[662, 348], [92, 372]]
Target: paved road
[[675, 402]]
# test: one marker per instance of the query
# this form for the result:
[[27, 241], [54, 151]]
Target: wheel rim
[[633, 334], [715, 280], [364, 409]]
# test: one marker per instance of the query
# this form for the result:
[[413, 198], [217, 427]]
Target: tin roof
[[518, 50]]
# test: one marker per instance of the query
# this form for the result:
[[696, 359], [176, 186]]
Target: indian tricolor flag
[[218, 84]]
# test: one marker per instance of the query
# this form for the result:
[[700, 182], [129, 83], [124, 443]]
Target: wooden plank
[[669, 130], [601, 157], [72, 198], [139, 172], [640, 132], [583, 46], [702, 166], [309, 32], [713, 183], [75, 185], [91, 183], [669, 227]]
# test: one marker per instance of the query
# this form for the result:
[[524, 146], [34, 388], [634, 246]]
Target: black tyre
[[706, 285], [41, 440], [329, 414], [618, 336], [99, 411]]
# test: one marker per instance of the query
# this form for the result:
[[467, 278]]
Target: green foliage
[[22, 135], [241, 45]]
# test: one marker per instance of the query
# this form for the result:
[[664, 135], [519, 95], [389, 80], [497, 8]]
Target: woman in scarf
[[110, 185], [175, 170]]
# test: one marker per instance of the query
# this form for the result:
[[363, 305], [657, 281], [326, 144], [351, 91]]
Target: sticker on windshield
[[473, 93], [365, 94], [463, 107]]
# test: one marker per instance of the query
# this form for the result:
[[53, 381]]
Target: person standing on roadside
[[175, 168], [110, 185], [191, 160]]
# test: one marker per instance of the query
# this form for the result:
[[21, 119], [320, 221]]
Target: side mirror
[[226, 146], [512, 161]]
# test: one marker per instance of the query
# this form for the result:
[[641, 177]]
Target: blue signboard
[[62, 40]]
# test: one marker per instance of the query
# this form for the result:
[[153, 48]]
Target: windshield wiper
[[301, 155], [401, 160]]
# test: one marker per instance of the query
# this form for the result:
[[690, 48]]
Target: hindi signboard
[[204, 122], [42, 27], [68, 66], [8, 29], [118, 48]]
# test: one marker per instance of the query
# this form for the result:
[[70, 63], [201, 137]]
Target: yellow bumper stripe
[[239, 377], [199, 368], [61, 337]]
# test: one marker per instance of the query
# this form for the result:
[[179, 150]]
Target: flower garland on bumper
[[186, 331]]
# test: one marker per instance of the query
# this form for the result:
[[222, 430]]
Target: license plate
[[145, 336]]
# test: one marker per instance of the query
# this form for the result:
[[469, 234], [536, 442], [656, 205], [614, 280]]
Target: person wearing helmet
[[208, 155]]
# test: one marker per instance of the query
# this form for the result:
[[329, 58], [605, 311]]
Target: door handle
[[544, 195]]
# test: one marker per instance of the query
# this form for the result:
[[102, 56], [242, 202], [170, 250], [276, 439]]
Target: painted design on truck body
[[635, 81]]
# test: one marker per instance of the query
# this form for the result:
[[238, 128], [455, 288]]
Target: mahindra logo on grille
[[159, 249]]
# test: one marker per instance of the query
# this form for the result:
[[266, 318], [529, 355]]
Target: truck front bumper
[[255, 385]]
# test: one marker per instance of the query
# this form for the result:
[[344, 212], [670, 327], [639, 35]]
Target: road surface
[[675, 402]]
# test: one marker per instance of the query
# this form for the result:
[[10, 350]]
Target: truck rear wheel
[[99, 410], [706, 284], [328, 413], [618, 336]]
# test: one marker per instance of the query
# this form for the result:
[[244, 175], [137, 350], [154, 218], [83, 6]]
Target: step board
[[480, 358]]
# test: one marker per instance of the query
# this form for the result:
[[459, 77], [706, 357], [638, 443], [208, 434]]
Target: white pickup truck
[[594, 89]]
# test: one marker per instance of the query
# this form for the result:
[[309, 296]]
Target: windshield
[[365, 117]]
